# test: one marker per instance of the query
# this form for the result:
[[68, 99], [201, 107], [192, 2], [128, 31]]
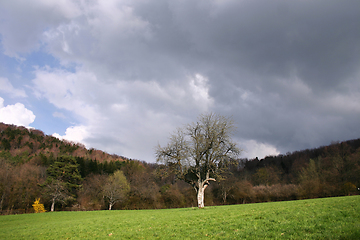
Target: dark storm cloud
[[318, 39], [287, 71], [295, 58]]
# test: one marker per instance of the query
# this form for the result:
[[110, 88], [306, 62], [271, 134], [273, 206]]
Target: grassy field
[[327, 218]]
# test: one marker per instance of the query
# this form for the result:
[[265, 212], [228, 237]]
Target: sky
[[122, 75]]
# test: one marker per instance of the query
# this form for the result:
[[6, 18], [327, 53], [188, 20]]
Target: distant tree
[[172, 196], [90, 196], [311, 182], [241, 192], [5, 143], [224, 187], [116, 188], [63, 180], [266, 176], [144, 192], [27, 178], [200, 152]]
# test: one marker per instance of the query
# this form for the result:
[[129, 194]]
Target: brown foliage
[[90, 195], [277, 192], [172, 197], [19, 185], [328, 171]]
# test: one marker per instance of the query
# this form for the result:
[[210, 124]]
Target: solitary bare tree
[[199, 152]]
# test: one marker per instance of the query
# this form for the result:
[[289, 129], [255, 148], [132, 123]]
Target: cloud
[[23, 33], [123, 110], [59, 115], [252, 148], [75, 134], [7, 87], [130, 72], [66, 90], [200, 91], [16, 114]]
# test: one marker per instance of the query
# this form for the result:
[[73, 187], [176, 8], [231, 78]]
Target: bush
[[38, 207]]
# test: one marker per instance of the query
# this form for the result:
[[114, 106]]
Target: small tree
[[38, 207], [57, 191], [200, 152], [116, 188]]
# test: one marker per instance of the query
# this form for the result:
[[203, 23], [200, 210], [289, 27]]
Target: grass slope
[[327, 218]]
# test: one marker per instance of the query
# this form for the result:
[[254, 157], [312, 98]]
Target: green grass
[[327, 218]]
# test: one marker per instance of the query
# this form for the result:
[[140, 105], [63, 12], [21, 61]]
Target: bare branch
[[201, 150]]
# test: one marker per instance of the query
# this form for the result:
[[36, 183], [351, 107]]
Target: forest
[[68, 177]]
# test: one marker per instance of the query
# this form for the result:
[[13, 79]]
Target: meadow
[[325, 218]]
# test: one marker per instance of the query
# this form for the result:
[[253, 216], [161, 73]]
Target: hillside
[[30, 143], [31, 160]]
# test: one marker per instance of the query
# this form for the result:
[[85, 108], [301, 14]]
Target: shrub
[[38, 207]]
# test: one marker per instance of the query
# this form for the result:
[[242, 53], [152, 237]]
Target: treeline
[[327, 171], [67, 176]]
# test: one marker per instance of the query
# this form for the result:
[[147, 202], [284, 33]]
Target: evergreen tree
[[63, 180]]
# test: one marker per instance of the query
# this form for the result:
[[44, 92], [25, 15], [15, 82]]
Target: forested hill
[[293, 162], [25, 144], [34, 165]]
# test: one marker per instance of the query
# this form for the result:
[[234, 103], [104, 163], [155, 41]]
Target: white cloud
[[252, 149], [120, 117], [200, 92], [76, 134], [16, 114], [7, 87], [66, 90]]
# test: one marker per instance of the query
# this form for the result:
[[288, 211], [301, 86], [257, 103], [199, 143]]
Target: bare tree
[[200, 151], [116, 188], [58, 192]]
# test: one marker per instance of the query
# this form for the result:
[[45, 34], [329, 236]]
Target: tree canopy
[[34, 168], [63, 180], [116, 188], [200, 151]]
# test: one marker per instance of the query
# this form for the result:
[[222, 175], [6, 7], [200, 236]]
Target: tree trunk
[[224, 196], [200, 196], [110, 206], [53, 205], [200, 188]]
